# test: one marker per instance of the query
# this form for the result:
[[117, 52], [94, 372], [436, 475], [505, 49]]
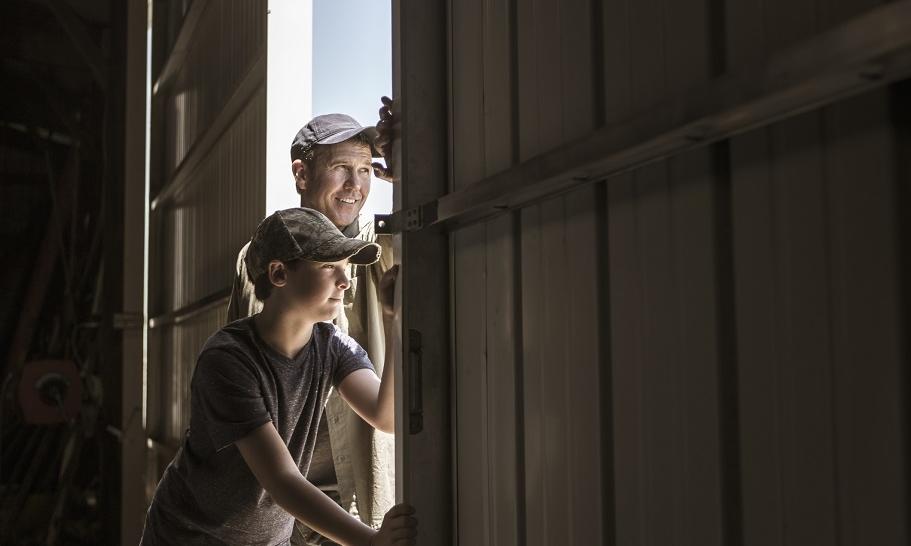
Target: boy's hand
[[399, 527], [388, 128], [387, 291]]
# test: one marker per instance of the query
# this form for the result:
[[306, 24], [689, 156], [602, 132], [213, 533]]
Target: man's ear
[[300, 173], [278, 273]]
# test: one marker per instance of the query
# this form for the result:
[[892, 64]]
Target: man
[[331, 162]]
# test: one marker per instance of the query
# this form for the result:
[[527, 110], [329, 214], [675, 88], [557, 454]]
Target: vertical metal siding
[[562, 369], [706, 351], [815, 256], [485, 380], [225, 44], [207, 216], [666, 423], [207, 233]]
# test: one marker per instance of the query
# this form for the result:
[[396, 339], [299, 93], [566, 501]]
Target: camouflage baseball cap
[[330, 129], [296, 233]]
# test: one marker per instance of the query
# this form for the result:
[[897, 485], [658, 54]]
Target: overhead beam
[[867, 52]]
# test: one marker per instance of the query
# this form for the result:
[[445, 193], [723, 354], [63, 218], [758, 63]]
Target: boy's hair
[[262, 286]]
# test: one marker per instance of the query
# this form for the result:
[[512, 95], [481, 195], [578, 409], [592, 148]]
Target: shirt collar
[[353, 229]]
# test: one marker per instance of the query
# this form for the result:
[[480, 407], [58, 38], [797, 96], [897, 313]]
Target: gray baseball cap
[[296, 233], [330, 129]]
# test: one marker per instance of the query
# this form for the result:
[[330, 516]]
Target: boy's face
[[318, 287], [337, 181]]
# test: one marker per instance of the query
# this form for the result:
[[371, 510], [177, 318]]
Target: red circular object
[[42, 382]]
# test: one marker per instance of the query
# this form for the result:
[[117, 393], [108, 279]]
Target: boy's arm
[[371, 398], [268, 458]]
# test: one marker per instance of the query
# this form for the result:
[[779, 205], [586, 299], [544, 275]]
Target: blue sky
[[352, 68]]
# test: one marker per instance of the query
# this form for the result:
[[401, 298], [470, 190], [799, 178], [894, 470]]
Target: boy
[[257, 397]]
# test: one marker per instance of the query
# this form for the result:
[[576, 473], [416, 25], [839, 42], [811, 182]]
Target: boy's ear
[[278, 273], [300, 173]]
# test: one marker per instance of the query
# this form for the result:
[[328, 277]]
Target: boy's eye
[[328, 266]]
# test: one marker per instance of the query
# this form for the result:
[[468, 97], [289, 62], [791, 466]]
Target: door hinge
[[413, 219]]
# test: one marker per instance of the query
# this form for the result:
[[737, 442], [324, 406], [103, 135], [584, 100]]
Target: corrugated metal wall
[[208, 189], [708, 350]]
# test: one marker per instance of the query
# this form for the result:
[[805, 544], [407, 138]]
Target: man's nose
[[355, 180]]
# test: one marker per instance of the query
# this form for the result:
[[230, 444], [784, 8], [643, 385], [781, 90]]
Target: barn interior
[[656, 261]]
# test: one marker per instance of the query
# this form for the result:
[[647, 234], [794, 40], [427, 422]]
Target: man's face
[[318, 287], [336, 181]]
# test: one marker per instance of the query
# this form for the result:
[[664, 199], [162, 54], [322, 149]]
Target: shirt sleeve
[[387, 258], [349, 357], [228, 395]]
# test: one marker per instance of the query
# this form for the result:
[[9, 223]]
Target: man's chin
[[343, 215]]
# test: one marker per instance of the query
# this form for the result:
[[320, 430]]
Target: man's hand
[[387, 291], [388, 128], [399, 527]]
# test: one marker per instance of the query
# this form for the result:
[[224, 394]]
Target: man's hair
[[262, 286], [314, 151]]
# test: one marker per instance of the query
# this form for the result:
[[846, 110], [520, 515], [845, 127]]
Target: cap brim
[[370, 132], [356, 251]]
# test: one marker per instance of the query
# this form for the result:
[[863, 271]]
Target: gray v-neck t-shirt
[[207, 494]]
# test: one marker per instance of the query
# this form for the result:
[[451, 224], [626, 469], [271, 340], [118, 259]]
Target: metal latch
[[415, 401]]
